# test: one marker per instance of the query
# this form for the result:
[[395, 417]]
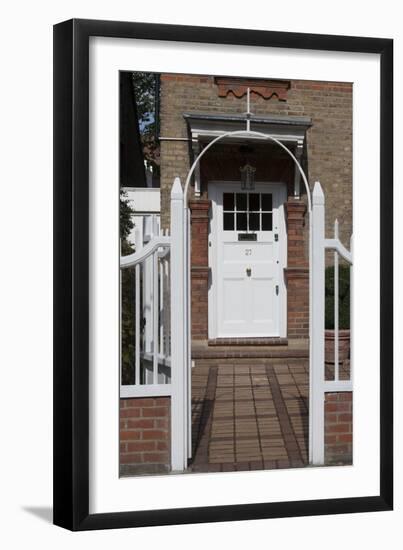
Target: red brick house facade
[[321, 113], [232, 221]]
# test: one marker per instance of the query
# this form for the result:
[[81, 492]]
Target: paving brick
[[257, 417]]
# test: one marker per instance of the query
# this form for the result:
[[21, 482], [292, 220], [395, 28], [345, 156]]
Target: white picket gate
[[162, 331], [162, 342], [319, 386]]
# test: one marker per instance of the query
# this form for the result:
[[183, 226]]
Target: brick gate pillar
[[199, 267], [297, 271]]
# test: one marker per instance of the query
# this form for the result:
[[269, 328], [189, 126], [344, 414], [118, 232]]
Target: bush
[[344, 297]]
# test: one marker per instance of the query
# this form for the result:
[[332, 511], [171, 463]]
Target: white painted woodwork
[[336, 304], [137, 324], [188, 330], [145, 202], [155, 312], [337, 386], [317, 408], [179, 429], [146, 390], [144, 199], [335, 244], [145, 252], [299, 148], [318, 385], [162, 343], [247, 296], [288, 129], [241, 306]]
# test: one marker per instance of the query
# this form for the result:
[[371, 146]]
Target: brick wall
[[329, 140], [297, 275], [338, 428], [145, 435], [199, 268], [328, 158], [297, 303]]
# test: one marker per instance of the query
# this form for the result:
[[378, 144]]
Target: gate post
[[317, 366], [178, 331]]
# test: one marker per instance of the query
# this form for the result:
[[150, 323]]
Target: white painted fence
[[319, 386], [162, 324], [162, 331]]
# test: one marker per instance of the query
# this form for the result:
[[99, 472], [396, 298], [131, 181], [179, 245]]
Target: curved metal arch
[[247, 133]]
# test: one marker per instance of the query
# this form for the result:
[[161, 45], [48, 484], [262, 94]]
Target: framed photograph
[[223, 267]]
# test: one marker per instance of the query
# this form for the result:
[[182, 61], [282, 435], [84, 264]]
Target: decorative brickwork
[[265, 88], [145, 435], [297, 273], [329, 140], [199, 267], [338, 428]]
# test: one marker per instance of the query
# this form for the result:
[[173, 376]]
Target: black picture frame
[[71, 274]]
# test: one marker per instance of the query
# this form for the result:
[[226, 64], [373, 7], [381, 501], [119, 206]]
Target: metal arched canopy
[[246, 134]]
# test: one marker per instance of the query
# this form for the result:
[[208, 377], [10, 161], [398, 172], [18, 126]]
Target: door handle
[[248, 271]]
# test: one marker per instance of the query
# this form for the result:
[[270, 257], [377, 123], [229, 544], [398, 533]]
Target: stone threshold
[[274, 341]]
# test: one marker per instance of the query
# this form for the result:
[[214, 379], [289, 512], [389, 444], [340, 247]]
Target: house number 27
[[248, 251]]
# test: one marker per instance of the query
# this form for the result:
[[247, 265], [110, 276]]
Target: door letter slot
[[247, 237]]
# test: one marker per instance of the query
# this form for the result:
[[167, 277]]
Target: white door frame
[[214, 187]]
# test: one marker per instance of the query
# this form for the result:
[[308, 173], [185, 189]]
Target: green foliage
[[146, 93], [145, 88], [128, 293], [344, 297], [126, 223]]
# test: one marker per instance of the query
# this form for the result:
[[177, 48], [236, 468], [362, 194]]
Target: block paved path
[[249, 416]]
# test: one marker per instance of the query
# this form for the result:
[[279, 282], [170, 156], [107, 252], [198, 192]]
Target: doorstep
[[293, 349], [248, 342]]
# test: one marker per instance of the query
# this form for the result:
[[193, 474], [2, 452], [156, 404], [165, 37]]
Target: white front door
[[247, 238]]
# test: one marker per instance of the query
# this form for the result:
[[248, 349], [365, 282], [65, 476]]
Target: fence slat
[[168, 304], [351, 324], [150, 293], [137, 324], [155, 317], [178, 375], [189, 334], [161, 307], [336, 306], [318, 325]]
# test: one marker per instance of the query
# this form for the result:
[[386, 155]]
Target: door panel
[[246, 266], [234, 303]]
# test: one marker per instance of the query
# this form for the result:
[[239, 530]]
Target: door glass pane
[[267, 223], [254, 221], [228, 221], [266, 201], [228, 201], [254, 202], [241, 201], [241, 224]]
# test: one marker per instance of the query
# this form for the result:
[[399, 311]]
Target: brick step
[[248, 342], [242, 353]]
